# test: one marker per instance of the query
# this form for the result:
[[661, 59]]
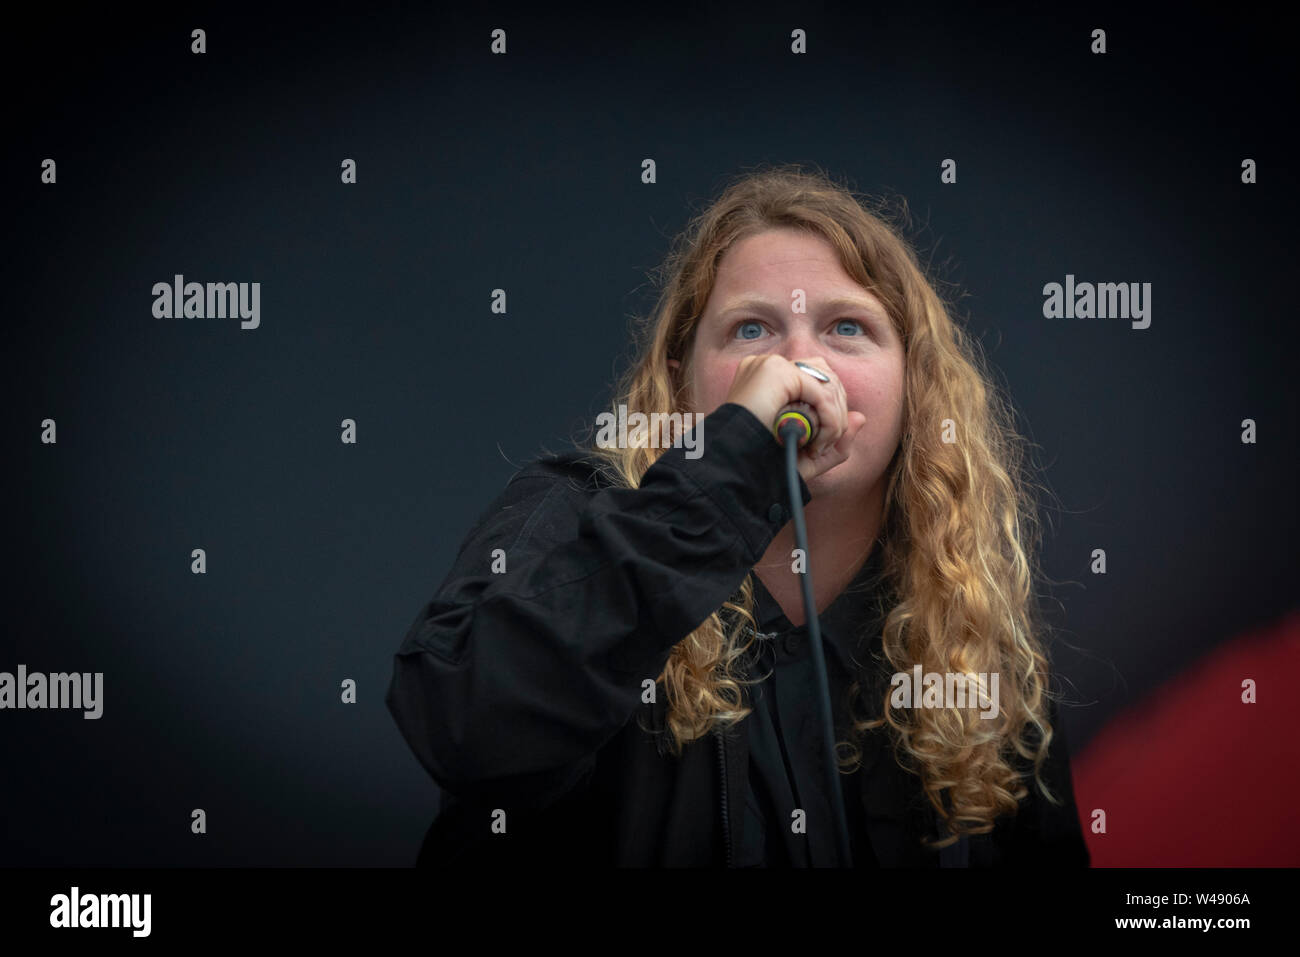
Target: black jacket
[[521, 692]]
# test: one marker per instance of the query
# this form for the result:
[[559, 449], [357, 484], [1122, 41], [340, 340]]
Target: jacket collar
[[851, 630], [855, 605]]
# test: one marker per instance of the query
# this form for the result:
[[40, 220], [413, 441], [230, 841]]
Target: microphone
[[797, 419]]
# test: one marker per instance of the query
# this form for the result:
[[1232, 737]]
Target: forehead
[[774, 262], [779, 250]]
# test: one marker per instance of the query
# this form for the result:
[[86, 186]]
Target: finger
[[836, 418], [828, 399], [856, 420]]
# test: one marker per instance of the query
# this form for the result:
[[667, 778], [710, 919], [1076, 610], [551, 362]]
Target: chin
[[838, 481], [825, 482]]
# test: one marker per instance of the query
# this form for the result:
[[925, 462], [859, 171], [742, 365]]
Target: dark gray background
[[523, 172]]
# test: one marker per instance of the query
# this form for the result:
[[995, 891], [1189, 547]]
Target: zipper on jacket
[[726, 820], [722, 767]]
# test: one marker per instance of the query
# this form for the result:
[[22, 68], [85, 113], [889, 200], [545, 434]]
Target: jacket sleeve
[[506, 685]]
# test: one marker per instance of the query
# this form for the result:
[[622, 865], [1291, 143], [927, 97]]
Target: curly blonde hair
[[959, 526]]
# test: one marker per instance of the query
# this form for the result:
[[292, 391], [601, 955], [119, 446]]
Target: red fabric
[[1192, 776]]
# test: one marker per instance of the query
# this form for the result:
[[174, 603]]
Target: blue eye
[[850, 327]]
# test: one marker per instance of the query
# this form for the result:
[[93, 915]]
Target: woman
[[617, 671]]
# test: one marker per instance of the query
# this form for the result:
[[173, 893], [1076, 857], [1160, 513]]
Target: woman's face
[[751, 312]]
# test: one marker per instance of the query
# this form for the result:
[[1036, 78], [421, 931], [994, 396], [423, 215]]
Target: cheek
[[712, 381], [878, 394], [868, 393]]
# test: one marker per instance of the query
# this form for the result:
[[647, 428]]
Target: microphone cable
[[791, 427]]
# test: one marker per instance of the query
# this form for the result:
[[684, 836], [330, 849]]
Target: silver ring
[[814, 372]]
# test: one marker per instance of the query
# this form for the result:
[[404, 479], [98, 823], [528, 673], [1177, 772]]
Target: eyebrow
[[756, 303]]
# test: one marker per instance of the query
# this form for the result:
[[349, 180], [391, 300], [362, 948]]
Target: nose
[[800, 342]]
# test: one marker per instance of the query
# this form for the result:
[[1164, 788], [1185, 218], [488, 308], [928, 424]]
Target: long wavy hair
[[959, 533]]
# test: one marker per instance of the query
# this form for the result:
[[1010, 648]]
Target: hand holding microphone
[[806, 391], [800, 416]]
